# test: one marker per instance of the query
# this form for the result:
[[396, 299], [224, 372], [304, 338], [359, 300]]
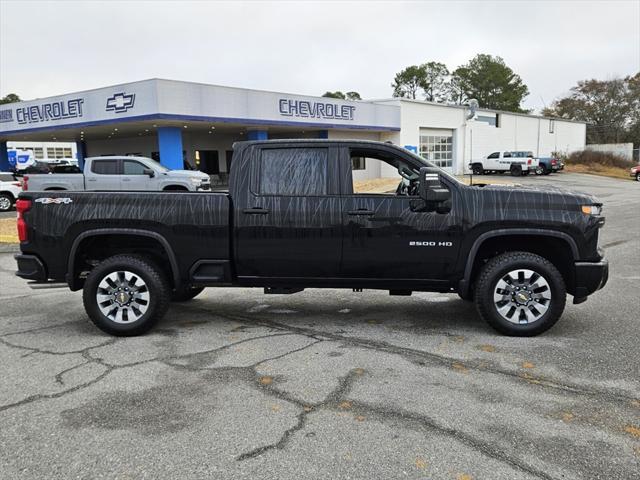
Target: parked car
[[10, 188], [515, 162], [547, 165], [635, 172], [290, 221], [120, 173]]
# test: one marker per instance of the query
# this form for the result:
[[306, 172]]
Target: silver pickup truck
[[120, 173]]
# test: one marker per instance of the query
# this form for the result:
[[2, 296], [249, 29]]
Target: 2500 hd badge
[[290, 221]]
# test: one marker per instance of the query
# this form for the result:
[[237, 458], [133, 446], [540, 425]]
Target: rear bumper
[[590, 277], [31, 268]]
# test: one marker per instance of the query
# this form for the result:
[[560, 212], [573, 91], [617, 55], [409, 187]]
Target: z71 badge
[[56, 201]]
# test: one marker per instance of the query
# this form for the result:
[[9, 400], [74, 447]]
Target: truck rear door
[[287, 218], [103, 174]]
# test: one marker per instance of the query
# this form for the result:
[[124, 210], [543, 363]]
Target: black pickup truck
[[296, 217]]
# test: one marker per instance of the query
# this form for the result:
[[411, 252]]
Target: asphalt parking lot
[[328, 383]]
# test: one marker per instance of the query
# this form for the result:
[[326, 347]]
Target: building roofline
[[156, 79], [480, 109]]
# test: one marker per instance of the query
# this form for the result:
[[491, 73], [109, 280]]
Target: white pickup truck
[[120, 173], [515, 162]]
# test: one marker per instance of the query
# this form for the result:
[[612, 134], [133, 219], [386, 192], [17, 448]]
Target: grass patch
[[597, 169], [598, 163]]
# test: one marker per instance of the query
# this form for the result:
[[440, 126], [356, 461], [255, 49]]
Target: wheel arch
[[121, 233], [175, 187], [535, 241]]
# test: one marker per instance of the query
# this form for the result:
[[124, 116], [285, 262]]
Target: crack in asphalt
[[111, 367], [410, 353], [412, 420], [39, 329], [344, 385], [333, 400], [339, 396]]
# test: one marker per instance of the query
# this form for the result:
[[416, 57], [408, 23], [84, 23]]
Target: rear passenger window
[[105, 167], [293, 171]]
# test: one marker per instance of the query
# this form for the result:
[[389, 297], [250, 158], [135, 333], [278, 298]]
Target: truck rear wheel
[[520, 294], [184, 294], [126, 295], [516, 170]]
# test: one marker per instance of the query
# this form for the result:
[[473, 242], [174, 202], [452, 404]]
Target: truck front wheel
[[477, 169], [126, 295], [520, 294]]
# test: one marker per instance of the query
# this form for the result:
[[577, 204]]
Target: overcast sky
[[54, 47]]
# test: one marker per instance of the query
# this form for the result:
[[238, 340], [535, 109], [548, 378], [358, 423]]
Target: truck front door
[[384, 237], [287, 218]]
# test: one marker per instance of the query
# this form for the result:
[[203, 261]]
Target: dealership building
[[192, 124]]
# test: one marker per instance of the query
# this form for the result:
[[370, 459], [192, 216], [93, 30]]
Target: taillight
[[529, 162], [22, 206], [25, 183], [554, 161]]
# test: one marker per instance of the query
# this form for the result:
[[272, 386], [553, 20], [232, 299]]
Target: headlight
[[592, 209], [195, 180]]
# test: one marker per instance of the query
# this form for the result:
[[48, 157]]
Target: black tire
[[638, 177], [184, 294], [496, 270], [515, 170], [541, 170], [6, 202], [152, 277], [477, 169]]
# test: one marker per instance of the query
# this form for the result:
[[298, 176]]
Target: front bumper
[[31, 268], [590, 277]]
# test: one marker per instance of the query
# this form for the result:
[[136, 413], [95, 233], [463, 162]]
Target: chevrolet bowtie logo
[[120, 102]]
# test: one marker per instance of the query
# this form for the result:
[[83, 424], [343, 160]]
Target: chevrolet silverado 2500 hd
[[120, 173], [295, 217]]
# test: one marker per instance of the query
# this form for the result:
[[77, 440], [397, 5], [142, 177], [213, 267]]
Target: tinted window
[[494, 155], [105, 167], [293, 171], [507, 155], [133, 168], [6, 177]]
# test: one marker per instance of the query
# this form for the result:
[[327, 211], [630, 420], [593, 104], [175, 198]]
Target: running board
[[46, 285]]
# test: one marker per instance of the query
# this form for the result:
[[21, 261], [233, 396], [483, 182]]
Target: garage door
[[436, 145]]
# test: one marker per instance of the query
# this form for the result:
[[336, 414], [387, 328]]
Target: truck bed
[[194, 224]]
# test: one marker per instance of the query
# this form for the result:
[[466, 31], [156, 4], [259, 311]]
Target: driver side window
[[378, 173]]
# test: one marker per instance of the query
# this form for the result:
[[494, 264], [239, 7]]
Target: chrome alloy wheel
[[522, 296], [5, 204], [122, 297]]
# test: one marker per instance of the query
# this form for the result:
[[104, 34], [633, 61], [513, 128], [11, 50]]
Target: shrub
[[591, 157]]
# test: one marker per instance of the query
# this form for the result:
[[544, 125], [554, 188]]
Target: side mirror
[[150, 172], [430, 189]]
